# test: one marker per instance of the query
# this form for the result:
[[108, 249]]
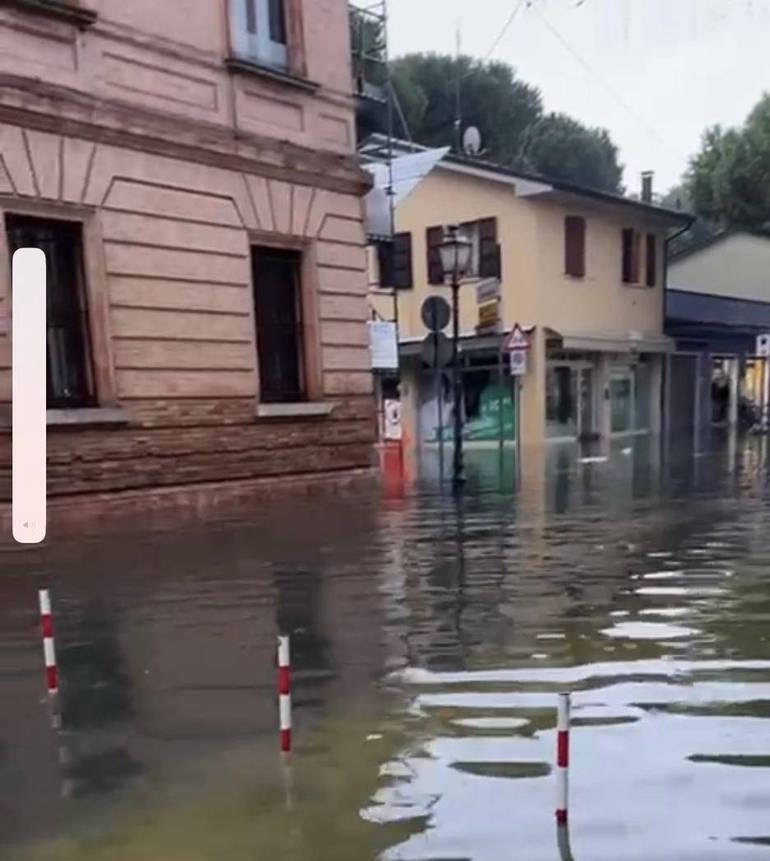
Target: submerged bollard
[[49, 649], [562, 778], [562, 759], [284, 693]]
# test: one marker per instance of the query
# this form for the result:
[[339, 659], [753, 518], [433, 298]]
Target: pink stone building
[[188, 167]]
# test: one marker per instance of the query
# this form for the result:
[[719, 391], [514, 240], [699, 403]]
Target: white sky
[[660, 71]]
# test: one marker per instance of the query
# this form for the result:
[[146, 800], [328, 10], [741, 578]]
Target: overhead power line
[[506, 27], [605, 84]]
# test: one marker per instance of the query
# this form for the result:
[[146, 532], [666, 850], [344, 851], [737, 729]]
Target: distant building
[[717, 304], [582, 270], [189, 169]]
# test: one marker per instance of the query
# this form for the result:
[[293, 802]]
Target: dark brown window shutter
[[434, 237], [489, 250], [402, 261], [575, 246], [385, 260], [628, 255], [652, 260]]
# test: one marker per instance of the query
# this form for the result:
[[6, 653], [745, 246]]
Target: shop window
[[69, 370], [280, 333], [561, 403]]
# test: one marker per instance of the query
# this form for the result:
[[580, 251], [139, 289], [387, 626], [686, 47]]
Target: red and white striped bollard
[[284, 692], [49, 649], [562, 759]]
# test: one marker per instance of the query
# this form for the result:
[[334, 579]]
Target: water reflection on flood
[[429, 641]]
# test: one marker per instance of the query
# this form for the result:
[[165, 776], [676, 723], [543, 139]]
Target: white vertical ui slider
[[29, 396]]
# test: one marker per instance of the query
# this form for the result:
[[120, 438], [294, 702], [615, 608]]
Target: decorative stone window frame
[[314, 405], [97, 299], [69, 11]]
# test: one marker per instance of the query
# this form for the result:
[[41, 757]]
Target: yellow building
[[582, 271]]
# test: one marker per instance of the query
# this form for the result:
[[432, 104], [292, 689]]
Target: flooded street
[[429, 642]]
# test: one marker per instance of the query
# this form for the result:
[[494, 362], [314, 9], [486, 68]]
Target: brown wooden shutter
[[489, 250], [402, 261], [575, 246], [652, 260], [385, 261], [628, 255], [434, 237]]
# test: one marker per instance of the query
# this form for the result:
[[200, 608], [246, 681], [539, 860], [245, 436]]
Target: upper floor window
[[575, 246], [631, 244], [485, 250], [68, 366], [259, 31], [640, 257], [652, 260], [395, 262]]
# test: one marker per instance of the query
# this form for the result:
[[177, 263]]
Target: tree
[[729, 179], [491, 98], [507, 111], [563, 148]]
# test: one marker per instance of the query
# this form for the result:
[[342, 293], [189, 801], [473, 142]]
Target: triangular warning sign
[[518, 339]]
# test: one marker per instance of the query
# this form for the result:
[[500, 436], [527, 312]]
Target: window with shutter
[[652, 260], [489, 249], [402, 261], [575, 246], [630, 242], [434, 237]]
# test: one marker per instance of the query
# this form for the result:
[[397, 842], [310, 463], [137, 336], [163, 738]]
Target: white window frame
[[258, 46]]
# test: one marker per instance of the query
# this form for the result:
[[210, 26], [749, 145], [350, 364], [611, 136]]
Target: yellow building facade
[[581, 271]]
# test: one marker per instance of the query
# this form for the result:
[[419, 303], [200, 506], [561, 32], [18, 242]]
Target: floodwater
[[429, 642]]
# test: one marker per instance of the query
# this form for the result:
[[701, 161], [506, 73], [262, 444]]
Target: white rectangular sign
[[518, 363], [28, 357], [383, 342], [763, 345]]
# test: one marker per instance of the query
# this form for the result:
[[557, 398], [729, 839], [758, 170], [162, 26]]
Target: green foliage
[[507, 111], [561, 147], [492, 98], [729, 179]]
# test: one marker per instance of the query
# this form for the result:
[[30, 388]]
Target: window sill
[[251, 67], [86, 417], [303, 409], [62, 11]]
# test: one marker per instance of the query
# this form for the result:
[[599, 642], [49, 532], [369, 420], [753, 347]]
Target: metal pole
[[440, 383], [457, 472], [500, 401]]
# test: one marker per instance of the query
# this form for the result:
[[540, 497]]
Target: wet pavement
[[429, 642]]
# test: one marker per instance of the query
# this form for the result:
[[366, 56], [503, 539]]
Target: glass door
[[622, 401], [586, 411]]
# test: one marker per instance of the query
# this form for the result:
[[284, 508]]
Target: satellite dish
[[472, 141]]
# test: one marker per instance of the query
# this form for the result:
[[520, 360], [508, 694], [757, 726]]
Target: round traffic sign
[[435, 313]]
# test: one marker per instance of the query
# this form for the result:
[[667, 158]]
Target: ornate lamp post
[[455, 260]]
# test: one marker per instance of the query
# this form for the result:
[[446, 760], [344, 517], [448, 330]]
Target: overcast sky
[[654, 72]]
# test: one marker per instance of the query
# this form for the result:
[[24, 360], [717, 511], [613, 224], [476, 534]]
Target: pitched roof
[[376, 148]]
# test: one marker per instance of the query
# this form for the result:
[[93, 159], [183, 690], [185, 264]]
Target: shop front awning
[[603, 342]]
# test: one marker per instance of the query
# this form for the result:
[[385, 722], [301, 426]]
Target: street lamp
[[455, 259]]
